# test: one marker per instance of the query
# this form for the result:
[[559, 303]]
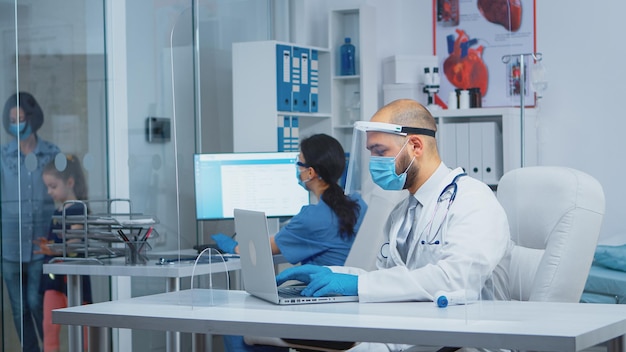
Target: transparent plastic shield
[[358, 179], [476, 296], [209, 278], [359, 157]]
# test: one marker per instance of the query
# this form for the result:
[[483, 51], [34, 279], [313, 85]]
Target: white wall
[[580, 116]]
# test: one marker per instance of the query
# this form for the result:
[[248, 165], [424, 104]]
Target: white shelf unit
[[360, 25], [508, 120], [255, 91]]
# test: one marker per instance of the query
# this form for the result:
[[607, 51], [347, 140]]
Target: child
[[63, 185]]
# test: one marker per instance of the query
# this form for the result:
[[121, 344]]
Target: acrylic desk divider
[[479, 293], [474, 297], [200, 296]]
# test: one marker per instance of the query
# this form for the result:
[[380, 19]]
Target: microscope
[[431, 86]]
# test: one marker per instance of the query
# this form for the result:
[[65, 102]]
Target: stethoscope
[[447, 194]]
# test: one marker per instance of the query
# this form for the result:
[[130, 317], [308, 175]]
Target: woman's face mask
[[298, 171], [383, 171], [22, 129]]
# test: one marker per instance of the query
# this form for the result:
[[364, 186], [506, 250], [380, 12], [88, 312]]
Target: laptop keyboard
[[290, 291]]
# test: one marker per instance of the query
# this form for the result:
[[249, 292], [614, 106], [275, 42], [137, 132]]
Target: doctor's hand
[[329, 284], [301, 273], [225, 243]]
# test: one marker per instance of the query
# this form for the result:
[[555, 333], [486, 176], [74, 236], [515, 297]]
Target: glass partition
[[130, 91], [53, 54]]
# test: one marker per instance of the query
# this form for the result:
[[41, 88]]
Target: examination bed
[[606, 282]]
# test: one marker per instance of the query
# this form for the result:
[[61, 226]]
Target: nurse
[[322, 233]]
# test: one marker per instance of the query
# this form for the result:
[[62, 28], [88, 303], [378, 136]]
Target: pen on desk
[[125, 238], [144, 239], [147, 234]]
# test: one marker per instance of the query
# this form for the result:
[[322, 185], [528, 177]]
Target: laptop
[[257, 263]]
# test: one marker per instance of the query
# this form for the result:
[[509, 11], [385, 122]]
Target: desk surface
[[493, 324]]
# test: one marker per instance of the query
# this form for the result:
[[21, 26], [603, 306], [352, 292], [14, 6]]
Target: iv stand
[[506, 59]]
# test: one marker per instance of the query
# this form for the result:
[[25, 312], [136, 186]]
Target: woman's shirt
[[27, 189], [313, 237]]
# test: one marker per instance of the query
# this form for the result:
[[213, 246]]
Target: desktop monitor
[[254, 181]]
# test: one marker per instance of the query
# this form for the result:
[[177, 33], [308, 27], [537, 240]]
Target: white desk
[[515, 325], [173, 272]]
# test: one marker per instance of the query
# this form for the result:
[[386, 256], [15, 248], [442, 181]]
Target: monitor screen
[[255, 181]]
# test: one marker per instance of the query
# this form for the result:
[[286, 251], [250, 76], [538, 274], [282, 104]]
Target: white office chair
[[555, 215]]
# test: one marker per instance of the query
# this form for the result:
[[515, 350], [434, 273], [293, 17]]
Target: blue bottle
[[347, 58]]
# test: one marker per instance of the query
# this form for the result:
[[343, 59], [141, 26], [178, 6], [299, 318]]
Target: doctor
[[458, 240]]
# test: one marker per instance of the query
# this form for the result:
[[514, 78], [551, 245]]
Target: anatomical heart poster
[[471, 39]]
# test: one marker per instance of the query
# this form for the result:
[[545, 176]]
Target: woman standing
[[26, 212]]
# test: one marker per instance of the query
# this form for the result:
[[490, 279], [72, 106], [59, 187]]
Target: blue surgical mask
[[300, 182], [23, 129], [383, 171]]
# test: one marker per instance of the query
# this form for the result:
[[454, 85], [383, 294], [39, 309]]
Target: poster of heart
[[471, 39]]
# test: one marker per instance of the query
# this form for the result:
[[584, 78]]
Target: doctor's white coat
[[474, 245]]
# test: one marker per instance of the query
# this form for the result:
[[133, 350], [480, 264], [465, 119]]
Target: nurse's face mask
[[381, 169], [299, 165]]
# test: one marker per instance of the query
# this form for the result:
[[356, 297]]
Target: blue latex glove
[[301, 273], [225, 243], [330, 284]]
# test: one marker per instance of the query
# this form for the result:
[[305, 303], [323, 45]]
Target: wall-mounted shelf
[[258, 77], [359, 25]]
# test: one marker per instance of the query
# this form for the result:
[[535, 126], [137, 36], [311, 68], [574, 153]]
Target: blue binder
[[294, 134], [313, 81], [283, 133], [300, 79], [283, 78]]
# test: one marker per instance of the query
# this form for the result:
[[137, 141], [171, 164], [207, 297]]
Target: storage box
[[407, 68], [393, 92]]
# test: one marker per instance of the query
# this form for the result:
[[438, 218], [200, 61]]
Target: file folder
[[294, 134], [475, 150], [313, 81], [300, 79], [448, 144], [305, 86], [492, 153], [283, 133], [283, 77], [462, 146]]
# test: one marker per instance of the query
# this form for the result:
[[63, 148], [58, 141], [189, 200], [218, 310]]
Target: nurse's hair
[[326, 156], [32, 110]]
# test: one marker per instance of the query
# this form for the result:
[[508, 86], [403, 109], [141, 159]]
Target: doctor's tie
[[402, 241]]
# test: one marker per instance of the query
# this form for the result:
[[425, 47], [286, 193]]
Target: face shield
[[358, 178]]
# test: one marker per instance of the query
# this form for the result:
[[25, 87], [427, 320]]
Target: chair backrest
[[555, 215]]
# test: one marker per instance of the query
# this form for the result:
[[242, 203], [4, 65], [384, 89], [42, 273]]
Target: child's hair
[[72, 169]]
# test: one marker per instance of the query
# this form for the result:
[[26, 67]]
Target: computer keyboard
[[290, 291]]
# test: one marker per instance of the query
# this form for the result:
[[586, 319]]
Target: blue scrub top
[[36, 205], [312, 236]]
